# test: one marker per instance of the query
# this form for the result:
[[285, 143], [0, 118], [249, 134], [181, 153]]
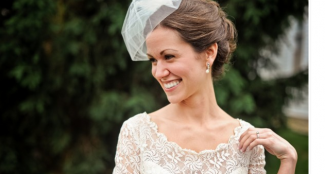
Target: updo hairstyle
[[202, 23]]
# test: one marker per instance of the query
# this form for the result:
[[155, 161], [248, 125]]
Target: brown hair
[[202, 23]]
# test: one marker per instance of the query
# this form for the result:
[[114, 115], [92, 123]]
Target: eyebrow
[[149, 56], [162, 52]]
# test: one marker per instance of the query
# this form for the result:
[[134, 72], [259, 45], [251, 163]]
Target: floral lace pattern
[[142, 149]]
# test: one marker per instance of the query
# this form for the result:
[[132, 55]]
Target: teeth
[[171, 84]]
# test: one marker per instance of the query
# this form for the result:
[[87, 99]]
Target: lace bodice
[[142, 149]]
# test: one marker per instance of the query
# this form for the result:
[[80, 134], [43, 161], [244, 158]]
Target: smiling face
[[175, 65]]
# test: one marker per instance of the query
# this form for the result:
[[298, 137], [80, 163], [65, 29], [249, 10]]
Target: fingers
[[272, 142], [253, 137]]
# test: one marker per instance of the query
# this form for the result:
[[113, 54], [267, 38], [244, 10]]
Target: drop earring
[[208, 68]]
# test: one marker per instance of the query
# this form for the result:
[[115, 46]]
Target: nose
[[160, 70]]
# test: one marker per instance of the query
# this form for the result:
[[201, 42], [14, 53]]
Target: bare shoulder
[[234, 122], [230, 122], [159, 115]]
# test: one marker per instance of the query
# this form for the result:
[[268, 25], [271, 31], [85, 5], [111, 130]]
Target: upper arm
[[257, 160], [127, 159]]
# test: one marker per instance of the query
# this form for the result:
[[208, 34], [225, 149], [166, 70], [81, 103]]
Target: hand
[[272, 142]]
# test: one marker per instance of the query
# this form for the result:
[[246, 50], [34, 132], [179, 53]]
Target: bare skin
[[274, 144], [192, 134], [194, 120]]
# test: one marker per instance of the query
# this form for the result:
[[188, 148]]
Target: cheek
[[153, 70]]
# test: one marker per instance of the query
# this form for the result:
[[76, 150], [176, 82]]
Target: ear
[[211, 53]]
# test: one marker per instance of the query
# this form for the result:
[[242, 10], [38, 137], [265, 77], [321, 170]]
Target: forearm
[[288, 165]]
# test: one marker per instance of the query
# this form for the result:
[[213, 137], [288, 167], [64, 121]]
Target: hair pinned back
[[202, 23]]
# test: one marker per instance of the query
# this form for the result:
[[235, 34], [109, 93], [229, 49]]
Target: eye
[[168, 56], [152, 60]]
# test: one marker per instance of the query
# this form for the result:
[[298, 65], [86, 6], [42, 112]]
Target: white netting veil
[[142, 17]]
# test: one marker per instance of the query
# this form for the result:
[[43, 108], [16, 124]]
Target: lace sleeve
[[127, 158], [257, 161]]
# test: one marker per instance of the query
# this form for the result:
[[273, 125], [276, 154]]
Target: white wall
[[292, 58]]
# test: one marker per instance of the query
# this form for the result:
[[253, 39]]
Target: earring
[[208, 68]]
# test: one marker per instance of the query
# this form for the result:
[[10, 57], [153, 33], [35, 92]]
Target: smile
[[172, 84]]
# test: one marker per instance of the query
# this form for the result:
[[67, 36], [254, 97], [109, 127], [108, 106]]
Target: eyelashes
[[166, 57], [152, 60]]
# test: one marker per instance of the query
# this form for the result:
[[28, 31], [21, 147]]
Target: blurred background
[[68, 83]]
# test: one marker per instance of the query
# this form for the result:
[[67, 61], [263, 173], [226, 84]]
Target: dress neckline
[[154, 126]]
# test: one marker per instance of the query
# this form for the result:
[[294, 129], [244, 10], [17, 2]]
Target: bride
[[187, 43]]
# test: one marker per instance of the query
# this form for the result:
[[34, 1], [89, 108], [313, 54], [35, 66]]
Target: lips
[[172, 84]]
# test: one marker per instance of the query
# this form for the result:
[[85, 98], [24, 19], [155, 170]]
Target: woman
[[188, 42]]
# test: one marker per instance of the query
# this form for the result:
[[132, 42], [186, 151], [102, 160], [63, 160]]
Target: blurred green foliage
[[68, 82]]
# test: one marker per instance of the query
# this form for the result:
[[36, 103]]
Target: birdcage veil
[[142, 17]]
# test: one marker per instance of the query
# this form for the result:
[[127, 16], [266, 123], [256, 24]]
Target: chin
[[174, 99]]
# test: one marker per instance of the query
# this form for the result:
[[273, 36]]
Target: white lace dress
[[142, 149]]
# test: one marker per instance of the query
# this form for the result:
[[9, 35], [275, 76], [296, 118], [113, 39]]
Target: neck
[[200, 108]]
